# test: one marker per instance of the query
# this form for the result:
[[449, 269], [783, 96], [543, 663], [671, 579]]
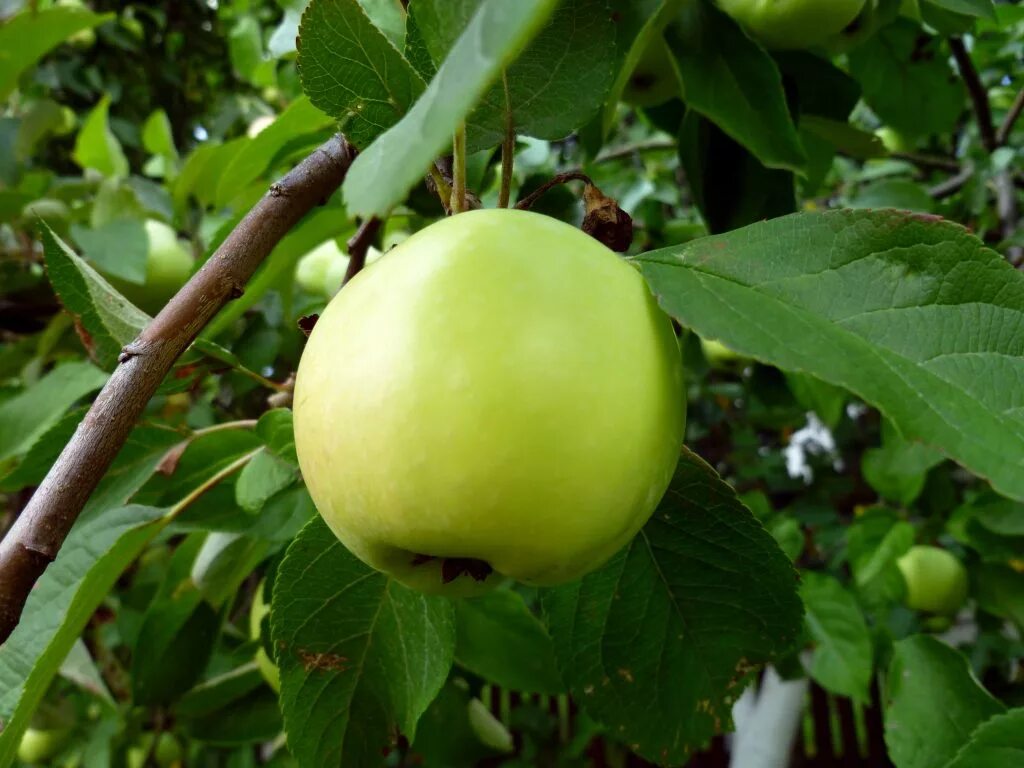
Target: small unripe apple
[[489, 729], [893, 140], [168, 267], [38, 745], [260, 609], [785, 24], [311, 271], [936, 580], [655, 78], [166, 753], [500, 396], [720, 356]]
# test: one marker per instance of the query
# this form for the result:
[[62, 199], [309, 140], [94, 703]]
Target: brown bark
[[37, 535]]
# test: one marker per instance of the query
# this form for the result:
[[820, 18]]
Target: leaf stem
[[194, 495]]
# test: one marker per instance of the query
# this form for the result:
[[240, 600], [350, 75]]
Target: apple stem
[[508, 148], [459, 170]]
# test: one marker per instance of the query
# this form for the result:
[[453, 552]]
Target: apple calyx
[[605, 221], [453, 567]]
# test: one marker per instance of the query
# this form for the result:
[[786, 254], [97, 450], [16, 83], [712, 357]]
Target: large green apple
[[936, 580], [655, 79], [499, 396], [260, 609], [168, 267], [785, 24]]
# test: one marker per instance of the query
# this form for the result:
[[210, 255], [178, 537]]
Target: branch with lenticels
[[37, 535]]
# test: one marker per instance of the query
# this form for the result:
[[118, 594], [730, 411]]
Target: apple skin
[[499, 387], [787, 24], [654, 79], [168, 267], [936, 580], [39, 745], [266, 665]]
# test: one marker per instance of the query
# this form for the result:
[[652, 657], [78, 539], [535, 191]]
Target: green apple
[[893, 140], [655, 79], [489, 729], [311, 271], [38, 745], [168, 267], [500, 396], [936, 580], [720, 356], [785, 24], [260, 609], [166, 753]]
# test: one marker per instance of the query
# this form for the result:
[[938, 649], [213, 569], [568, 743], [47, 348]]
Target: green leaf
[[801, 293], [555, 85], [996, 743], [999, 515], [899, 468], [382, 175], [730, 80], [348, 635], [729, 185], [43, 452], [893, 193], [174, 644], [999, 590], [107, 321], [640, 24], [157, 135], [119, 247], [297, 130], [28, 36], [276, 431], [264, 476], [812, 393], [352, 71], [935, 703], [96, 147], [659, 642], [26, 416], [499, 639], [224, 561], [842, 660], [94, 555], [981, 8], [907, 80], [875, 541]]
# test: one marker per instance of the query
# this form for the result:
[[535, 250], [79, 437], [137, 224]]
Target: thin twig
[[36, 537], [508, 148], [652, 145], [527, 202], [928, 162], [953, 184], [358, 246], [194, 495], [223, 426], [1003, 134], [459, 170], [976, 90]]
